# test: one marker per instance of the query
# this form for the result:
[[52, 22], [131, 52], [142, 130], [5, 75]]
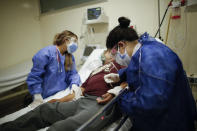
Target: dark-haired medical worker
[[159, 97]]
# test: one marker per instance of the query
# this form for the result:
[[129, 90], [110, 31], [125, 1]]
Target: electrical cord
[[163, 19]]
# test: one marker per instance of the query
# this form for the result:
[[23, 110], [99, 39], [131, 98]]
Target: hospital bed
[[14, 76], [13, 88], [91, 63]]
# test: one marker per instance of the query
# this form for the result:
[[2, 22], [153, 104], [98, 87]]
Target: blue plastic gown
[[48, 76], [159, 97]]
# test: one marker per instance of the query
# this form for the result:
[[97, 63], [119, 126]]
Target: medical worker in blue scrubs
[[54, 68], [159, 97]]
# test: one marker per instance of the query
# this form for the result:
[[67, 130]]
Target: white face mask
[[123, 59]]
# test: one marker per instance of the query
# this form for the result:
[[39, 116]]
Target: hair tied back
[[124, 22]]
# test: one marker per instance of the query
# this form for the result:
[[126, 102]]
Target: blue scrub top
[[159, 96], [48, 75]]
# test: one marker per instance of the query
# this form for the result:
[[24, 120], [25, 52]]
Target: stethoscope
[[58, 61]]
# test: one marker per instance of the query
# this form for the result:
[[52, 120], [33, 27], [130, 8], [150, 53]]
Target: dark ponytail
[[122, 32]]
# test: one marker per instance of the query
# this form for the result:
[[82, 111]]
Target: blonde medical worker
[[159, 97], [48, 75]]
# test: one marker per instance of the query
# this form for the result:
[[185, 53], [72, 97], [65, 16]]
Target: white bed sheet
[[93, 61], [14, 76]]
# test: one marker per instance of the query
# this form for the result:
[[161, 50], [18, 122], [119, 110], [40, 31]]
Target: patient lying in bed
[[61, 115]]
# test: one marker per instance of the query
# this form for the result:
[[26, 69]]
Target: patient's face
[[108, 57]]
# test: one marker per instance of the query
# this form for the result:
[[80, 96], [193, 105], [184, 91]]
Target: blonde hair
[[68, 62], [59, 40]]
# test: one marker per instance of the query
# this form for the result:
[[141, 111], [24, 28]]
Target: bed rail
[[105, 116]]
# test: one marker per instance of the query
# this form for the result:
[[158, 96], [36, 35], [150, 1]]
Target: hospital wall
[[24, 32], [181, 36], [19, 31], [183, 40]]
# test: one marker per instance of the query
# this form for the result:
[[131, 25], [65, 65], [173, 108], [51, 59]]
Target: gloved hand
[[111, 78], [77, 90], [37, 101], [115, 90]]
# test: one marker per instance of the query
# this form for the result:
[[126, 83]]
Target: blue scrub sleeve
[[122, 74], [74, 77], [151, 98], [35, 77]]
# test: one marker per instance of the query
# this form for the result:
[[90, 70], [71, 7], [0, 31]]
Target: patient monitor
[[88, 50], [95, 15]]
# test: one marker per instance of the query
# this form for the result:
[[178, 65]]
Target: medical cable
[[163, 17]]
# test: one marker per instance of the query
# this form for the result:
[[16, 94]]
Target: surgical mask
[[72, 47], [123, 59]]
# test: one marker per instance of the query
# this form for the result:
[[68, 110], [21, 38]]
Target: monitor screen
[[94, 13], [88, 50]]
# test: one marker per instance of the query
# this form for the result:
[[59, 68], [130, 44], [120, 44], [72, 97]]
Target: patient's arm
[[109, 96], [105, 98], [82, 90], [63, 99], [66, 98], [124, 84]]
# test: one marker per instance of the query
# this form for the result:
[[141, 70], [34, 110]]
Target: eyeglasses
[[71, 39]]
